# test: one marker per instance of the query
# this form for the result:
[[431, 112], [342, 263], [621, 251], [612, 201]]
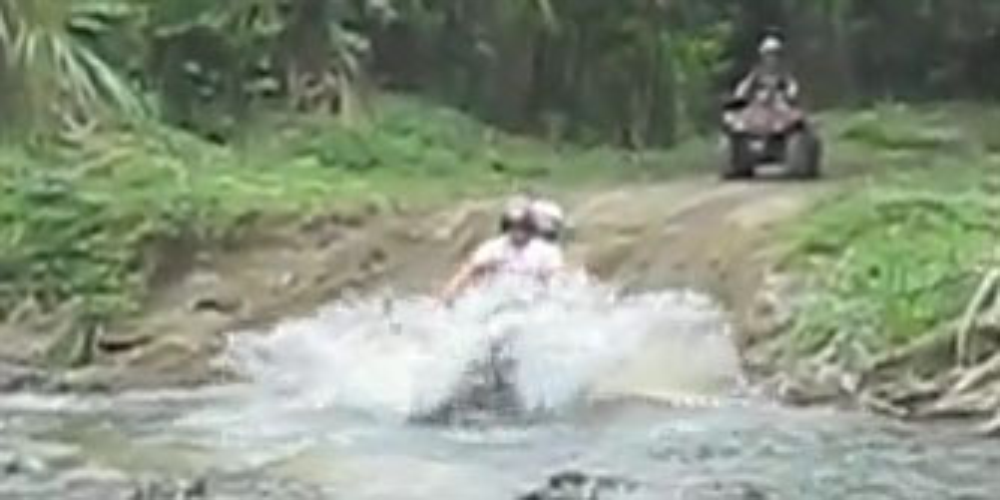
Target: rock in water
[[164, 489], [578, 485], [14, 378]]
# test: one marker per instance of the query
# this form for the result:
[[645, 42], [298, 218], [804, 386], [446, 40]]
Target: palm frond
[[7, 15], [548, 14], [112, 87], [42, 50]]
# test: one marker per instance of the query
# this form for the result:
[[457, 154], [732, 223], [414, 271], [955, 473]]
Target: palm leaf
[[547, 11], [113, 87], [44, 53]]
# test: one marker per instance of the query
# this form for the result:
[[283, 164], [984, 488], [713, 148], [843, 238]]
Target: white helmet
[[550, 220], [771, 45], [517, 212]]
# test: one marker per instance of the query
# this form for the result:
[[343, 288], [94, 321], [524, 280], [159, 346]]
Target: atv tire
[[804, 155], [740, 160]]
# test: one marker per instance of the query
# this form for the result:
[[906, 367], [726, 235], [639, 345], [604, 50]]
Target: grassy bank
[[898, 253], [79, 223]]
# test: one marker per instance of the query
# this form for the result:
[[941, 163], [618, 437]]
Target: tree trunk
[[305, 56]]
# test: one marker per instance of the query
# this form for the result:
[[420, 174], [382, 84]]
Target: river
[[331, 406]]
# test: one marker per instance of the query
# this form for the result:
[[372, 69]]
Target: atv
[[769, 131], [487, 392]]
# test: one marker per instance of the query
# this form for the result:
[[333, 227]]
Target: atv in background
[[766, 131]]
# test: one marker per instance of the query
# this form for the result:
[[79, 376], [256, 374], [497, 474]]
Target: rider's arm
[[466, 275], [479, 264], [791, 89], [553, 263], [745, 86]]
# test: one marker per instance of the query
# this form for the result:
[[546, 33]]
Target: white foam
[[397, 356]]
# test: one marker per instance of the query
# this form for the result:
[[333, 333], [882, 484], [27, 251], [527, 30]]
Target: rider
[[549, 219], [551, 226], [770, 77], [518, 251]]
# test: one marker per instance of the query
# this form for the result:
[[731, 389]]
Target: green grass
[[78, 224], [899, 250]]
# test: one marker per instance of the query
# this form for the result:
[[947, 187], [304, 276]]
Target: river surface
[[330, 404]]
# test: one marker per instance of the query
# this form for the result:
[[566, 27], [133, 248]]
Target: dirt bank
[[697, 233], [711, 237]]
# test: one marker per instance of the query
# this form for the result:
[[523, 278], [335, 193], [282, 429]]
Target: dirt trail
[[716, 238], [695, 233]]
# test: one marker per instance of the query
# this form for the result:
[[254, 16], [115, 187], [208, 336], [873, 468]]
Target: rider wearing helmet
[[549, 219], [516, 216], [551, 225], [518, 251], [770, 78]]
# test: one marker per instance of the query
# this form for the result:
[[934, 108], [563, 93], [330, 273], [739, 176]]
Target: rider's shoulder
[[546, 249], [543, 244]]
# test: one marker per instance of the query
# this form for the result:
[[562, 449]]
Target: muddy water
[[327, 410]]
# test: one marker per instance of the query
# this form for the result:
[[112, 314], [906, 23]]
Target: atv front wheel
[[740, 160], [804, 155]]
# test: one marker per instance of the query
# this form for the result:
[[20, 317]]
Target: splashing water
[[284, 431], [398, 357]]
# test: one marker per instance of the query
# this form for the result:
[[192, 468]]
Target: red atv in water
[[769, 130]]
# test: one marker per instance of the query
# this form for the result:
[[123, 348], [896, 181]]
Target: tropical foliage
[[894, 256], [633, 72], [48, 68]]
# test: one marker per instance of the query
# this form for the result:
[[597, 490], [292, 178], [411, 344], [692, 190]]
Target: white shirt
[[537, 258]]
